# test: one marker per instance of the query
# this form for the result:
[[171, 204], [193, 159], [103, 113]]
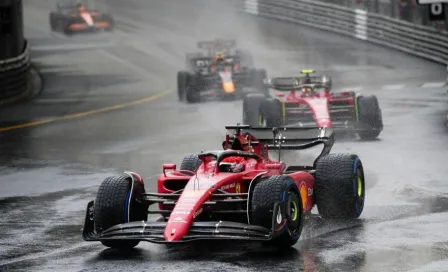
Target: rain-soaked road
[[50, 169]]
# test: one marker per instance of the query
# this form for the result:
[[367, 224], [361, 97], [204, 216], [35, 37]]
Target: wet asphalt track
[[49, 172]]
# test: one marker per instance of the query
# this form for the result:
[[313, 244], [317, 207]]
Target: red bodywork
[[324, 106], [199, 188]]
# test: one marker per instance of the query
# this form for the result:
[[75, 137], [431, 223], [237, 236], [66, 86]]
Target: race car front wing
[[202, 230]]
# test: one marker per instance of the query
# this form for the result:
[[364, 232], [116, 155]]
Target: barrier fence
[[374, 21], [14, 74]]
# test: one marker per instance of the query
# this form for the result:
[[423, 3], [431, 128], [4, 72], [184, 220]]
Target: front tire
[[340, 186], [270, 191], [117, 203]]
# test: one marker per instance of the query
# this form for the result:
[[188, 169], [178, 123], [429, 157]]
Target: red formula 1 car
[[308, 100], [235, 193], [74, 16]]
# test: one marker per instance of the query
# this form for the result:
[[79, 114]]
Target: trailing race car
[[223, 74], [292, 102], [237, 193], [74, 16]]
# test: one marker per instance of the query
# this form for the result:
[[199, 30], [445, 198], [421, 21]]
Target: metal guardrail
[[14, 74], [418, 40]]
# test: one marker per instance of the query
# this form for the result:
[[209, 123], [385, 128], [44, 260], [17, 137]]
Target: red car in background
[[308, 101], [79, 16], [237, 193]]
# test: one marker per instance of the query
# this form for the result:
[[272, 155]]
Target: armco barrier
[[14, 75], [418, 40]]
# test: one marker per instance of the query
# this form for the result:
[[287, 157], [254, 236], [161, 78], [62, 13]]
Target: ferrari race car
[[238, 193], [221, 73], [73, 16], [308, 100]]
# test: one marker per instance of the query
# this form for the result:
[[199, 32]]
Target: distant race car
[[308, 101], [73, 16], [238, 193], [221, 73]]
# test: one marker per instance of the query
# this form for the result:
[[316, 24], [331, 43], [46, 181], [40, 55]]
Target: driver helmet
[[307, 90], [233, 164], [219, 56]]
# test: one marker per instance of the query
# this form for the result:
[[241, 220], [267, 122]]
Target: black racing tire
[[259, 75], [270, 191], [192, 92], [182, 83], [113, 207], [340, 186], [52, 20], [190, 163], [251, 109], [246, 58], [110, 19], [370, 117], [66, 27], [271, 113]]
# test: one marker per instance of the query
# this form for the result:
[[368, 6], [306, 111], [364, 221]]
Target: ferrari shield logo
[[238, 188]]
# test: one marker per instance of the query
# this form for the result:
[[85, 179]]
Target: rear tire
[[251, 109], [271, 113], [115, 204], [110, 19], [270, 191], [192, 91], [182, 83], [370, 117], [340, 186], [258, 81]]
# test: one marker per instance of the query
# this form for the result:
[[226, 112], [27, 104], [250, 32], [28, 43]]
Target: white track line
[[71, 47], [434, 85], [393, 87]]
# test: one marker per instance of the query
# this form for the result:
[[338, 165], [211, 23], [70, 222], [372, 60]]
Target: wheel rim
[[359, 193], [360, 187], [293, 212]]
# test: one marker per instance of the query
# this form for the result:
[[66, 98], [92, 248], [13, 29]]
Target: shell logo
[[304, 194]]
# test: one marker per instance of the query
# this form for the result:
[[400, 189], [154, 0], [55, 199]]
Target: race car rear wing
[[217, 44], [204, 62], [292, 83], [289, 138]]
